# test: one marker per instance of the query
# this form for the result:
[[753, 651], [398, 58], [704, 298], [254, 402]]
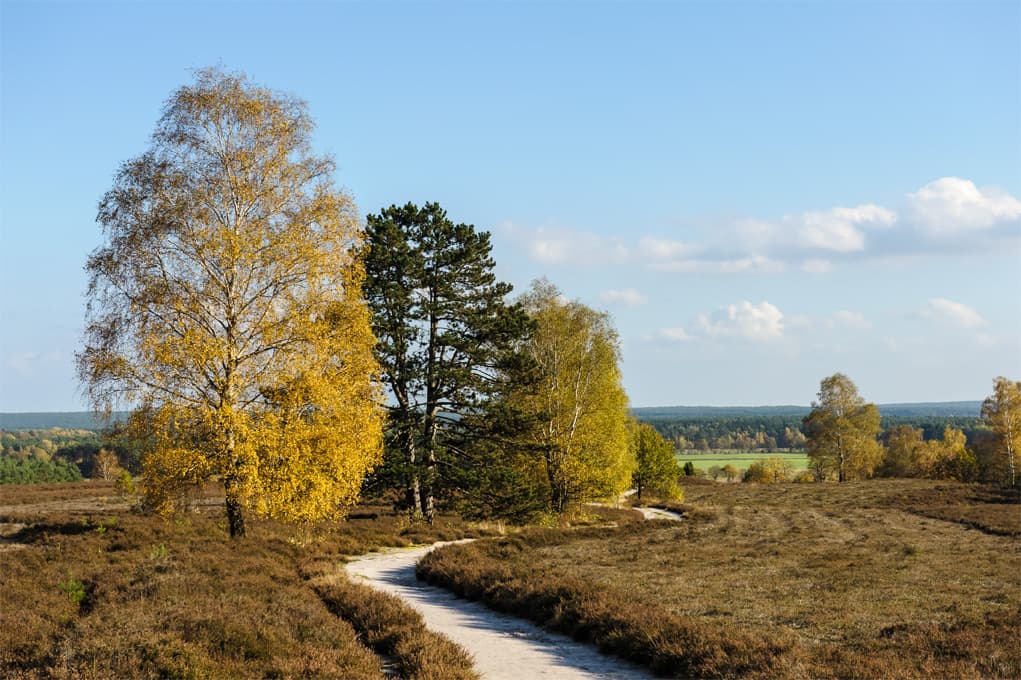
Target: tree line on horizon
[[692, 434], [845, 439], [275, 344]]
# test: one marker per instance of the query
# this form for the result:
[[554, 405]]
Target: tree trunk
[[413, 488], [558, 488], [840, 459], [431, 406], [428, 505], [1010, 459], [429, 455], [235, 516]]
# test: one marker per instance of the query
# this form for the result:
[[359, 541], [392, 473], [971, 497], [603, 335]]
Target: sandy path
[[503, 646], [659, 513]]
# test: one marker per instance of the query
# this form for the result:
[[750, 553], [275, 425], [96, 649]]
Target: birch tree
[[578, 402], [841, 431], [655, 464], [1002, 412], [226, 307]]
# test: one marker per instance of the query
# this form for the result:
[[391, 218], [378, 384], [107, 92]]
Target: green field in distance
[[740, 459]]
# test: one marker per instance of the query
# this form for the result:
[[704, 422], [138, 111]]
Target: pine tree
[[444, 330]]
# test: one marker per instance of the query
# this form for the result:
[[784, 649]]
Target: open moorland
[[93, 589], [878, 579]]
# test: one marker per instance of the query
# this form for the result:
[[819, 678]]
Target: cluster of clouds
[[946, 215], [764, 322]]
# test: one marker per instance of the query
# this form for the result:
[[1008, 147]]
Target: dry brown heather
[[878, 579], [177, 598]]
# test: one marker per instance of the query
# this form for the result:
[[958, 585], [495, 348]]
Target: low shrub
[[638, 631], [393, 628]]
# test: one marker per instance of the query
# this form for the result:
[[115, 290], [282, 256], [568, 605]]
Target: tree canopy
[[655, 465], [444, 333], [841, 431], [1002, 412], [577, 403], [226, 306]]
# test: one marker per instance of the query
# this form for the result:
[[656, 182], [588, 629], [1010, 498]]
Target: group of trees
[[52, 451], [266, 341], [738, 432], [46, 443], [656, 466], [843, 439], [34, 470], [494, 406]]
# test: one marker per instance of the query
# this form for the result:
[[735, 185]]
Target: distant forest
[[771, 428], [58, 454], [940, 408], [66, 420], [689, 428], [85, 420]]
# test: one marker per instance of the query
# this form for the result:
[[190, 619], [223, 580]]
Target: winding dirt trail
[[659, 513], [503, 646]]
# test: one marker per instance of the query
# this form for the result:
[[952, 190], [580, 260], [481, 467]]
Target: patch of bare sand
[[659, 513], [71, 505], [7, 530]]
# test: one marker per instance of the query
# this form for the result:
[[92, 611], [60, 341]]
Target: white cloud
[[953, 313], [564, 246], [677, 334], [758, 323], [664, 249], [950, 205], [626, 296], [752, 263], [840, 230], [841, 237], [817, 266], [845, 319], [870, 215], [948, 215]]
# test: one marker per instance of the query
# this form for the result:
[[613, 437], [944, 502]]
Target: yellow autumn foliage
[[227, 305], [579, 403]]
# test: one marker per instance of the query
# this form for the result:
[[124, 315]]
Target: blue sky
[[761, 194]]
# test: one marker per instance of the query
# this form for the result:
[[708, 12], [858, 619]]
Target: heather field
[[92, 589], [877, 579], [872, 579]]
